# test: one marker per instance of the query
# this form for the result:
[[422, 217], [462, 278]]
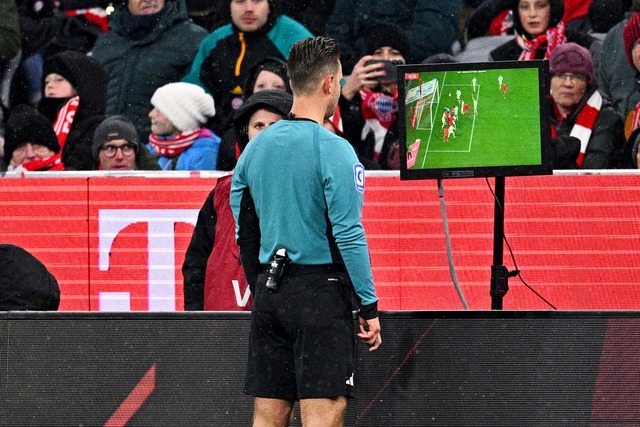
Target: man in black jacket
[[148, 45]]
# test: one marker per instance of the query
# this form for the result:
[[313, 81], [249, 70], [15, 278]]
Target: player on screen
[[451, 119], [504, 89]]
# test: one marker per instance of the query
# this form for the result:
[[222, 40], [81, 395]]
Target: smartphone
[[390, 67]]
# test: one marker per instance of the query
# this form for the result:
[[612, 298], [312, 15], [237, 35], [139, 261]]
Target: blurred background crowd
[[156, 84]]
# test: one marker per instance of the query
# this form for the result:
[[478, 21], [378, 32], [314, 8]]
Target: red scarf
[[173, 147], [95, 15], [336, 120], [53, 163], [553, 37], [64, 120], [379, 112], [583, 127]]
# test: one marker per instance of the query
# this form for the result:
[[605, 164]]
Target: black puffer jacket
[[139, 61]]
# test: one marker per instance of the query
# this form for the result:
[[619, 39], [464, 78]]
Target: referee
[[299, 188]]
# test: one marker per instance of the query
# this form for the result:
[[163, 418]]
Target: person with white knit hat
[[178, 136]]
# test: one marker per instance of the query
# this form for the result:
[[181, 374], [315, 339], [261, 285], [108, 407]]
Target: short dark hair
[[310, 60]]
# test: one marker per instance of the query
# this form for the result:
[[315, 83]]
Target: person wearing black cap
[[29, 142], [270, 73], [75, 88], [369, 97], [211, 263], [587, 133]]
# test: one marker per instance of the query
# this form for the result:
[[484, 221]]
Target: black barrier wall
[[434, 368]]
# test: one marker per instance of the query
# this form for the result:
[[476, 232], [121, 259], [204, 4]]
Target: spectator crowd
[[156, 84]]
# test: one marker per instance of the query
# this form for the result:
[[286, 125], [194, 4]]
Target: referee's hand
[[370, 333]]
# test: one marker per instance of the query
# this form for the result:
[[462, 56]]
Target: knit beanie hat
[[272, 64], [383, 34], [25, 124], [74, 66], [114, 127], [571, 58], [274, 100], [630, 35], [185, 105]]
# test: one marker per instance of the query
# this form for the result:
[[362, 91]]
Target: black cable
[[515, 272]]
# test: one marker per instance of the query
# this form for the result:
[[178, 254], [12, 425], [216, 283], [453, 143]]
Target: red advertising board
[[117, 243]]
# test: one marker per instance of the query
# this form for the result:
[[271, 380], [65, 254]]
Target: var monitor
[[463, 120]]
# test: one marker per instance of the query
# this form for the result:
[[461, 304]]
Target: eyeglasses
[[573, 78], [111, 150]]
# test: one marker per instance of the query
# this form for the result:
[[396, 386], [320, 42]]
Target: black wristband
[[369, 311]]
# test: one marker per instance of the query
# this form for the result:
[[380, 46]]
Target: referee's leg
[[323, 412], [272, 412]]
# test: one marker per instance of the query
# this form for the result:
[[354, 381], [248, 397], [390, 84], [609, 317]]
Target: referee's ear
[[328, 85]]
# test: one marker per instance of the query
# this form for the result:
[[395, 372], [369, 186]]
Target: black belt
[[299, 269]]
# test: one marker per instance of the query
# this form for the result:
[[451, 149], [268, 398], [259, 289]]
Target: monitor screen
[[464, 120]]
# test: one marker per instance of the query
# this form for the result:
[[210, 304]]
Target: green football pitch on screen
[[497, 118]]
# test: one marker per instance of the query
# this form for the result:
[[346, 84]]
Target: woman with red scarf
[[30, 143], [587, 133], [539, 30]]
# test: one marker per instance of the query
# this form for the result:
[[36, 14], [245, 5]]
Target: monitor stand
[[499, 273]]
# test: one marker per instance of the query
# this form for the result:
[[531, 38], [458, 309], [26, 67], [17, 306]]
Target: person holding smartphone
[[369, 98]]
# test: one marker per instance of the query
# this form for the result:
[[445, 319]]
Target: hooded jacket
[[138, 62], [225, 57], [89, 79]]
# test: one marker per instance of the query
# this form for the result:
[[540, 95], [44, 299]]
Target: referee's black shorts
[[301, 344]]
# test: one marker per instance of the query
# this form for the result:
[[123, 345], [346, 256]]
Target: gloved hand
[[566, 149]]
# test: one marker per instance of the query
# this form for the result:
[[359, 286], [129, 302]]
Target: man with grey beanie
[[116, 146]]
